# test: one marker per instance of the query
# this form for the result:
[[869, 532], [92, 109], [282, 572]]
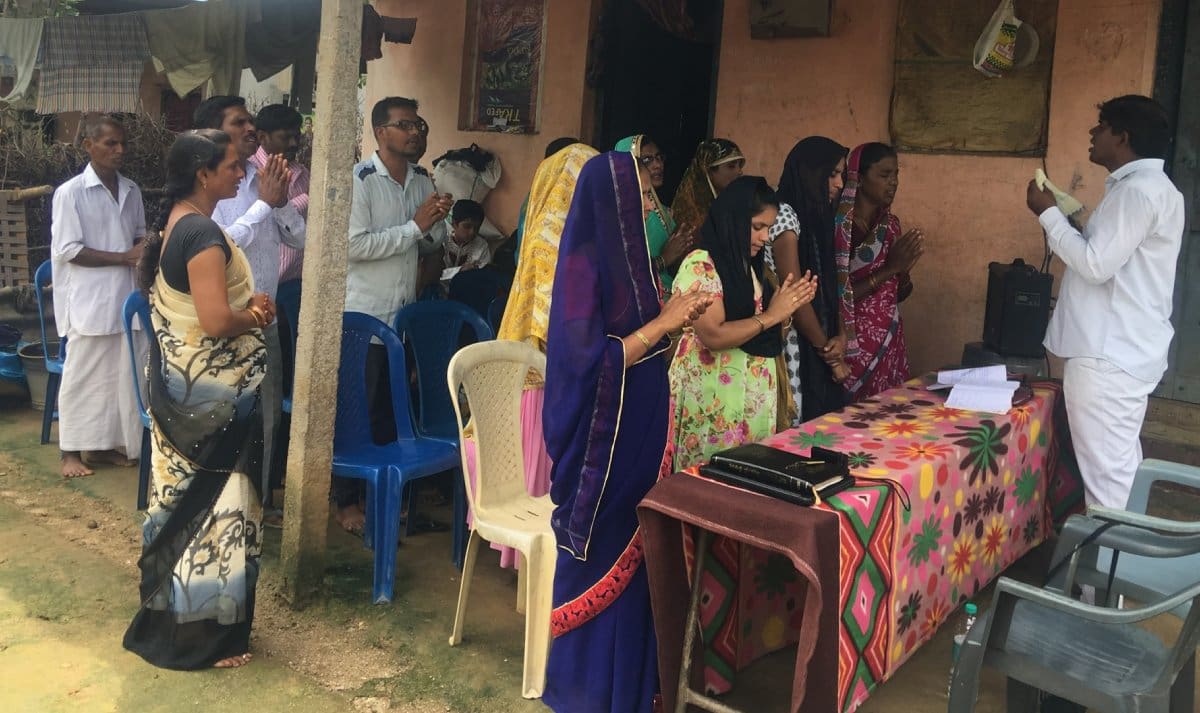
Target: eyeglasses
[[407, 125], [648, 159]]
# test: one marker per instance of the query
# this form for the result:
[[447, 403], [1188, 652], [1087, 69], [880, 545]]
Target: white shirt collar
[[91, 179], [382, 169], [1141, 164], [251, 172]]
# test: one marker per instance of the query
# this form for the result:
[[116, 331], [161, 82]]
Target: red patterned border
[[599, 596]]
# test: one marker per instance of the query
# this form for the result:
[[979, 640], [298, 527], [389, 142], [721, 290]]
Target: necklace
[[191, 205]]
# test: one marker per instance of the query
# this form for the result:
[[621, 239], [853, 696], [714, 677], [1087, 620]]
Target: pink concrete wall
[[430, 71], [772, 93]]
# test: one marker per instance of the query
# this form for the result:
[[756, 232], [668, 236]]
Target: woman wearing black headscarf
[[723, 377], [802, 239]]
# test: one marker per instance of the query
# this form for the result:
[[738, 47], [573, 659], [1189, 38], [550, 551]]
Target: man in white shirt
[[97, 223], [1112, 321], [395, 217], [258, 220]]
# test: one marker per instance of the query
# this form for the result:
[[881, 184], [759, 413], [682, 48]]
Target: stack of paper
[[984, 388]]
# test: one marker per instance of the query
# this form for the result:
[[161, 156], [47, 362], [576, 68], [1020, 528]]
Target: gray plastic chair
[[1136, 577], [1140, 577], [1098, 657]]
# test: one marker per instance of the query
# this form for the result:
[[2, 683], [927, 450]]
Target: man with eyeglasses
[[415, 150], [396, 216]]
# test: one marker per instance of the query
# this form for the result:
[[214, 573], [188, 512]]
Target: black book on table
[[780, 474]]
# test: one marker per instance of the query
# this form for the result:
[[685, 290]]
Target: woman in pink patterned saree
[[873, 260]]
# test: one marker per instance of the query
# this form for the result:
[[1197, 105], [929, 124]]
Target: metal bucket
[[34, 363]]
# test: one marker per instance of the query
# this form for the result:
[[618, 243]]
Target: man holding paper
[[1112, 321]]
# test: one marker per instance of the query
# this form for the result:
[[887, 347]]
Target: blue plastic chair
[[476, 289], [54, 365], [388, 468], [137, 306], [287, 302], [495, 314], [435, 331]]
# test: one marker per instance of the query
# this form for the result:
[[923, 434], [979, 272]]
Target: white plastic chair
[[492, 374]]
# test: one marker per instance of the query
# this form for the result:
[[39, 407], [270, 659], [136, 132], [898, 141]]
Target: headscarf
[[696, 191], [843, 231], [866, 257], [527, 313], [659, 224], [605, 289], [726, 237], [804, 186]]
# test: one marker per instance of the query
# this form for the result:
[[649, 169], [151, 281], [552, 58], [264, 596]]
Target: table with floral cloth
[[945, 501]]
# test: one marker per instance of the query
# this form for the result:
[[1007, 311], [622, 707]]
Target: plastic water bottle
[[960, 635]]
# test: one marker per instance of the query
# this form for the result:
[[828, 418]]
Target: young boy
[[466, 250]]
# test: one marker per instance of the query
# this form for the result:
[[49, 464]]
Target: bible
[[770, 471]]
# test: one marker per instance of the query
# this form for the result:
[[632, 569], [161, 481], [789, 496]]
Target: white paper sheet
[[449, 273], [996, 374], [989, 398]]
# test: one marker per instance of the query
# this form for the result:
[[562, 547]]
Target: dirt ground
[[68, 588]]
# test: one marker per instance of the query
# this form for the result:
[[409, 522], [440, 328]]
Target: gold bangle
[[871, 283], [642, 337], [260, 317], [762, 326]]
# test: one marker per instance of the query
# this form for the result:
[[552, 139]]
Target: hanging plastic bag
[[1006, 43], [469, 174]]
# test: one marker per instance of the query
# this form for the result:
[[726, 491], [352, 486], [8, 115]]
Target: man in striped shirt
[[278, 128]]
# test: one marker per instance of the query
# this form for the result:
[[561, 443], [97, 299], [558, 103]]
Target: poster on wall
[[503, 72]]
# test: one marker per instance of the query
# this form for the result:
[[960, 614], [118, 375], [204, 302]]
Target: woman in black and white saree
[[201, 538]]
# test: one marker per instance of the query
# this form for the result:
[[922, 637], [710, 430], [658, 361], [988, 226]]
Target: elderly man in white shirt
[[395, 217], [97, 222], [259, 219], [1112, 321]]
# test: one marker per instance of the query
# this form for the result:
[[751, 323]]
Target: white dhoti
[[97, 407], [1105, 409]]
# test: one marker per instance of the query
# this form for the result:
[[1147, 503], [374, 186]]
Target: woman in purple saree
[[607, 389]]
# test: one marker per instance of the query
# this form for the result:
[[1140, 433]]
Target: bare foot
[[234, 661], [352, 519], [109, 458], [73, 467]]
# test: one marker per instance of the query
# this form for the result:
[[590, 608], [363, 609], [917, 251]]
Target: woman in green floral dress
[[723, 377]]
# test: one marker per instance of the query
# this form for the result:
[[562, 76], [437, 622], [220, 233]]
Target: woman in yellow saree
[[527, 313]]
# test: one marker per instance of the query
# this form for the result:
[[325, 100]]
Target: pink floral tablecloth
[[945, 501]]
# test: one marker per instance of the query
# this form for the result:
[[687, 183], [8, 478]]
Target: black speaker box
[[1018, 309]]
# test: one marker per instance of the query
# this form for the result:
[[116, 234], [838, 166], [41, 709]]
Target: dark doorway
[[1177, 76], [653, 81]]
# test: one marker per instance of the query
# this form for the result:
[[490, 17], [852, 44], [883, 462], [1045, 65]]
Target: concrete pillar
[[302, 555]]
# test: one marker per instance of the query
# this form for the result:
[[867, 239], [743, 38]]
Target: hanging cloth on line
[[19, 40], [92, 63], [201, 41]]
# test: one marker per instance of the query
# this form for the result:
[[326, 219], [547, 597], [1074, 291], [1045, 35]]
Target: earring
[[204, 185]]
